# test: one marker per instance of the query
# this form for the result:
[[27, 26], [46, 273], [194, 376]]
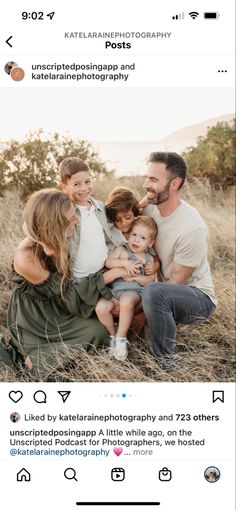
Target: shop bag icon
[[165, 474]]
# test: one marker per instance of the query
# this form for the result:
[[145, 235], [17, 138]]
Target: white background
[[188, 487]]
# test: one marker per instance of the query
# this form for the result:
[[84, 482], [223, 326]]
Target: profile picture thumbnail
[[212, 474], [9, 66], [15, 417], [14, 71], [17, 74]]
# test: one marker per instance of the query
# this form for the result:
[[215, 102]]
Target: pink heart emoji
[[118, 451]]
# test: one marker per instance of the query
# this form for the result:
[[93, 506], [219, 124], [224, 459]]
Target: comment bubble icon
[[40, 397]]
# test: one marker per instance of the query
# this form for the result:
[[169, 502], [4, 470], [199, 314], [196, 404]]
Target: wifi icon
[[194, 14]]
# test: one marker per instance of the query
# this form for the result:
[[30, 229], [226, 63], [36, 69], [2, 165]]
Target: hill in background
[[129, 158]]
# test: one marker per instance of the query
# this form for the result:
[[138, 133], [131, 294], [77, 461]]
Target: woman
[[47, 312]]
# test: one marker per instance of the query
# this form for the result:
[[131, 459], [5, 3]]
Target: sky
[[109, 114]]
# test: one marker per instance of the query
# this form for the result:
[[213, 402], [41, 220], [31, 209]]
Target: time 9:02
[[36, 15]]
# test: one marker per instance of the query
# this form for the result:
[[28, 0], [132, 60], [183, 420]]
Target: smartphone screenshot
[[117, 255]]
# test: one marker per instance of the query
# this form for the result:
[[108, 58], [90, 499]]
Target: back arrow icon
[[7, 41]]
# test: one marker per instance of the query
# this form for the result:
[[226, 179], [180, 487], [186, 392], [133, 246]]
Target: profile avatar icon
[[212, 474], [15, 417], [9, 66], [16, 73]]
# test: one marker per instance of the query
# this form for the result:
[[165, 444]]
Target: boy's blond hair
[[71, 166], [147, 222]]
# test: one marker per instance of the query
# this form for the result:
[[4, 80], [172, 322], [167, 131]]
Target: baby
[[132, 257]]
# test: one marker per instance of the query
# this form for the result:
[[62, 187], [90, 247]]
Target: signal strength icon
[[178, 16], [194, 14]]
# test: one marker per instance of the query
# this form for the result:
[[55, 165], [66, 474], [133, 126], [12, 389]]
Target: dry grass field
[[204, 352]]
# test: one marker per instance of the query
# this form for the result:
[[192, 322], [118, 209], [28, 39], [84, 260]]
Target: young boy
[[121, 209], [128, 289], [88, 248]]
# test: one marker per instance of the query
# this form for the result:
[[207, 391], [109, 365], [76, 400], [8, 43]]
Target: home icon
[[23, 476]]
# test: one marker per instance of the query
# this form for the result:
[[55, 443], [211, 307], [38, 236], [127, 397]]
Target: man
[[185, 294]]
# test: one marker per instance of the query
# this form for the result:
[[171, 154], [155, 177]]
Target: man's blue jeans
[[167, 304]]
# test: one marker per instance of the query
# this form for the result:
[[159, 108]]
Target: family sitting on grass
[[83, 263]]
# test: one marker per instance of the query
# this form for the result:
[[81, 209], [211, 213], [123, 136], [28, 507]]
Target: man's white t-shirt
[[92, 250], [183, 238]]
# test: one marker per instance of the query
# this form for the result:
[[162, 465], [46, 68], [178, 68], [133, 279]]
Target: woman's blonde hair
[[46, 222]]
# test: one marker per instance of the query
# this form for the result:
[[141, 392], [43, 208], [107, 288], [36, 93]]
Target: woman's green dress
[[42, 323]]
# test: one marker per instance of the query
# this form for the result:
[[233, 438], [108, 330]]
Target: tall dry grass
[[205, 352]]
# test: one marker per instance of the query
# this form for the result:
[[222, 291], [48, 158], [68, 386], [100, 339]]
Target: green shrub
[[214, 155], [33, 164]]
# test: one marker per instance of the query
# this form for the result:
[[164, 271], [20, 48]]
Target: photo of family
[[117, 235]]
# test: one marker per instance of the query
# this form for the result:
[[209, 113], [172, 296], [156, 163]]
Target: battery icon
[[211, 15]]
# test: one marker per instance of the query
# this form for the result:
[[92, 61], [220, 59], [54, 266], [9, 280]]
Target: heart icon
[[118, 451], [15, 396]]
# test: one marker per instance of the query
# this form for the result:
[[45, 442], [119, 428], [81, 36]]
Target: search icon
[[40, 397], [70, 474]]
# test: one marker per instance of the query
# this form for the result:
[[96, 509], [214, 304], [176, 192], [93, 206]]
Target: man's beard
[[161, 196]]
